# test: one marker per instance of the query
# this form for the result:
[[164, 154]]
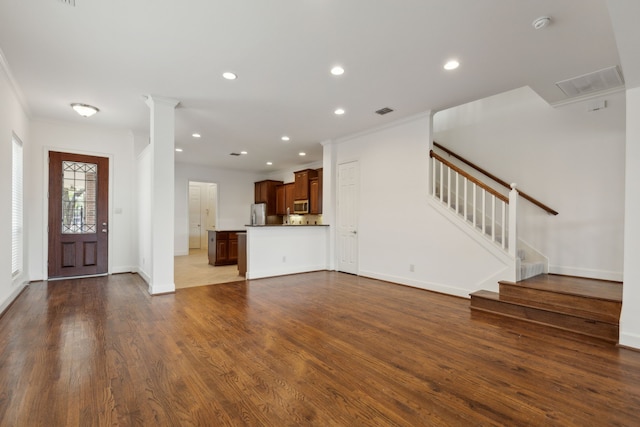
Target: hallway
[[194, 270]]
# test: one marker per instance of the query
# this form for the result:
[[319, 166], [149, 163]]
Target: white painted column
[[329, 198], [630, 317], [162, 143]]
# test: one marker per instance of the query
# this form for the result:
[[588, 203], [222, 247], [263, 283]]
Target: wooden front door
[[78, 215]]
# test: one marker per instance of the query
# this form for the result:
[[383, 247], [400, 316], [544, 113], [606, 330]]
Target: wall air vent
[[605, 79], [383, 111], [234, 154]]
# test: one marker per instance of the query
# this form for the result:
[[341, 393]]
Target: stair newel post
[[513, 222]]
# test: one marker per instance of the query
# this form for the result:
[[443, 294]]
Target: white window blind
[[16, 208]]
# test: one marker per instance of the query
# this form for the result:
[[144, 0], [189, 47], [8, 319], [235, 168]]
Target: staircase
[[585, 306]]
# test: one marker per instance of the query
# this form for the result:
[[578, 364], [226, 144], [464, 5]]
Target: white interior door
[[195, 225], [348, 191]]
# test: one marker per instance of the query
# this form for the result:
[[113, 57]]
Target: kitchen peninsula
[[276, 250]]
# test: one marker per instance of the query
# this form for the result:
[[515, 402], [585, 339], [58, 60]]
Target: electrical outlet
[[411, 268]]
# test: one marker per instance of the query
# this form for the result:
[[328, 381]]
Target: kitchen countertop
[[287, 225]]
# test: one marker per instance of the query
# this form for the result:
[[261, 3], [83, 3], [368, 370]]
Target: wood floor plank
[[320, 349]]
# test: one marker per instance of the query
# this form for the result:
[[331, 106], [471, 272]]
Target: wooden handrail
[[470, 178], [496, 179]]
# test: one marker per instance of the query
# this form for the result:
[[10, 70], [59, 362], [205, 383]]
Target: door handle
[[354, 232]]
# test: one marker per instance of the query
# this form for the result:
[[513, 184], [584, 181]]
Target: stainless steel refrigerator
[[258, 214]]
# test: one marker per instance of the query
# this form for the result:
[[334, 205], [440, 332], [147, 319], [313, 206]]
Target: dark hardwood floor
[[324, 349]]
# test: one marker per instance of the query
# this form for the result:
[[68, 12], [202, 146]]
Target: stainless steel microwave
[[301, 207]]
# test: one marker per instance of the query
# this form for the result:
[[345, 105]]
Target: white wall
[[235, 196], [13, 120], [144, 260], [566, 157], [630, 318], [84, 139], [398, 226]]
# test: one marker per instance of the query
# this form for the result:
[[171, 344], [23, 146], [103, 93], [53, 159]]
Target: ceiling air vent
[[234, 154], [383, 111], [597, 81], [69, 2]]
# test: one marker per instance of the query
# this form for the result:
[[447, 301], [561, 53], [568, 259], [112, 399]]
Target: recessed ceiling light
[[337, 71], [179, 150], [84, 110], [196, 135], [285, 138], [243, 152], [229, 76], [269, 163], [302, 153], [451, 65], [339, 111]]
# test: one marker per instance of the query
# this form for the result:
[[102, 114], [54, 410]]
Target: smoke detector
[[541, 22]]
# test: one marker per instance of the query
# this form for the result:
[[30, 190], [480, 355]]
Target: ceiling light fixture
[[179, 150], [196, 135], [229, 76], [285, 138], [302, 153], [451, 65], [337, 71], [339, 111], [269, 163], [243, 152], [541, 22], [84, 110]]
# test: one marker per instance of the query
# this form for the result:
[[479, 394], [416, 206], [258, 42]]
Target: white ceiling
[[111, 53]]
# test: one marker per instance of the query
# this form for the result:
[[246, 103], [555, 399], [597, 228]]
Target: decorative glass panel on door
[[79, 190]]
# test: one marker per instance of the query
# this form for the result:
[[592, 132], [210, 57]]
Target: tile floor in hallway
[[194, 270]]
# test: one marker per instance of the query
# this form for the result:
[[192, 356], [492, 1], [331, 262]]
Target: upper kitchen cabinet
[[265, 192], [284, 198], [315, 194], [301, 189]]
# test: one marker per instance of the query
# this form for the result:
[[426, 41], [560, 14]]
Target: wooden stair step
[[493, 303], [598, 300]]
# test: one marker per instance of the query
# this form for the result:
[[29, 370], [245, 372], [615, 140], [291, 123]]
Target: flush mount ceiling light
[[541, 22], [339, 111], [451, 65], [285, 138], [302, 153], [84, 110], [337, 70], [243, 152], [229, 76], [179, 150], [196, 135], [269, 163]]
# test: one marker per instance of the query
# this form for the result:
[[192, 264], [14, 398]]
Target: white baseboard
[[123, 269], [161, 288], [142, 274], [429, 286], [259, 274], [630, 340], [12, 297], [615, 276]]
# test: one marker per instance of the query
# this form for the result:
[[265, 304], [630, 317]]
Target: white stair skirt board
[[531, 269]]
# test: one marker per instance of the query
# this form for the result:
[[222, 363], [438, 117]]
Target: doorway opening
[[194, 269], [203, 198]]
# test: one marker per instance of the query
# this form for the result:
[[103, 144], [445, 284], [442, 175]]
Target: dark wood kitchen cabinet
[[284, 198], [315, 196], [223, 247], [301, 189], [265, 192]]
